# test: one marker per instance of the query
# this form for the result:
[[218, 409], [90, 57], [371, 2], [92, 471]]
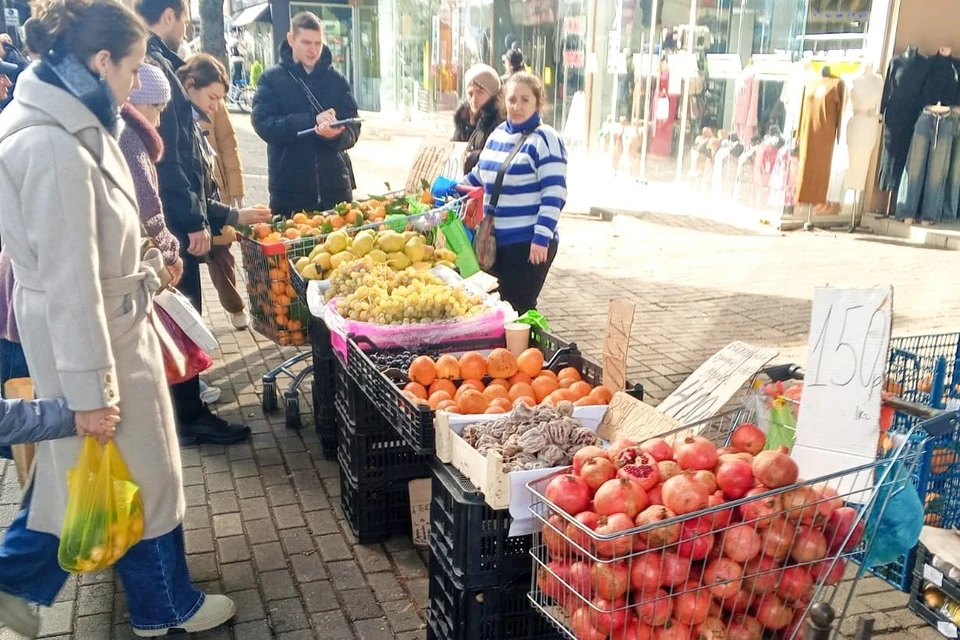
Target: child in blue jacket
[[23, 421]]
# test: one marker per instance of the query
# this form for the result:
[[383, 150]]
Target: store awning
[[253, 14]]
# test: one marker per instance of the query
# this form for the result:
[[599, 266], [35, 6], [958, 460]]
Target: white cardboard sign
[[712, 385], [839, 421]]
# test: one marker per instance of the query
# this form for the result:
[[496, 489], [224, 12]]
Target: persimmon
[[445, 405], [500, 382], [519, 377], [472, 402], [416, 389], [522, 389], [423, 370], [547, 372], [505, 403], [580, 389], [501, 364], [569, 372], [448, 367], [437, 397], [543, 386], [603, 394], [472, 365], [495, 409], [443, 385], [495, 391], [530, 362]]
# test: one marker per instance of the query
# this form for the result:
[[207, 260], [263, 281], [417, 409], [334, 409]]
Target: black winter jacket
[[187, 206], [475, 134], [304, 172]]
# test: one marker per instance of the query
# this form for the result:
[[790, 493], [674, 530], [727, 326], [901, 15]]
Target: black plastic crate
[[456, 612], [415, 422], [354, 406], [325, 424], [919, 606], [471, 535], [951, 588], [375, 512], [377, 457]]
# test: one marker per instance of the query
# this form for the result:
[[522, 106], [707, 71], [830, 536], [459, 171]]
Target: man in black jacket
[[306, 172], [187, 207]]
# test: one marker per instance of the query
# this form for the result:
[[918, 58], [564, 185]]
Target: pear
[[317, 250], [444, 254], [414, 249], [310, 272], [407, 235], [322, 260], [422, 266], [445, 263], [300, 264], [339, 258], [428, 252], [398, 261], [378, 257], [391, 242], [362, 245], [336, 242]]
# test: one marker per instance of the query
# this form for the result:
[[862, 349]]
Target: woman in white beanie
[[142, 147], [479, 114]]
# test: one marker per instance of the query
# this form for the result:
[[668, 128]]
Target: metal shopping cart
[[768, 564]]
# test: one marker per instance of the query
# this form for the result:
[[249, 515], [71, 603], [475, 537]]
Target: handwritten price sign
[[616, 342], [839, 421]]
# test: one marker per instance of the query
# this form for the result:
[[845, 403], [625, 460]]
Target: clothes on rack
[[819, 132], [941, 84], [743, 188], [924, 183], [951, 201], [746, 104], [664, 108], [901, 106]]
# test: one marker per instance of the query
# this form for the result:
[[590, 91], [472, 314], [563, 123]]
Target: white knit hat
[[154, 87]]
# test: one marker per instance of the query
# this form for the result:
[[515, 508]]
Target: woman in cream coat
[[83, 303]]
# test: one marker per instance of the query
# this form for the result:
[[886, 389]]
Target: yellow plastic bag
[[104, 512]]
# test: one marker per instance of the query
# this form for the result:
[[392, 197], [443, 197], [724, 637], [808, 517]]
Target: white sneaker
[[19, 616], [208, 394], [240, 320], [214, 611]]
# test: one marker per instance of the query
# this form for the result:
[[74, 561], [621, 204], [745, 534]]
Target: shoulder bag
[[484, 240]]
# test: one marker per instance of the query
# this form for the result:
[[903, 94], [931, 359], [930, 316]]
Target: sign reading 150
[[854, 352]]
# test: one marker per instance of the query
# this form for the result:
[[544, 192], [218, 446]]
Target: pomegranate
[[721, 518], [675, 569], [844, 522], [582, 541], [738, 455], [829, 572], [655, 495], [553, 539], [645, 575], [740, 543], [829, 497], [612, 525], [708, 479], [773, 613], [620, 496], [800, 504], [795, 584], [749, 438], [744, 628], [636, 630], [585, 454], [610, 580], [775, 469], [644, 474], [738, 603], [796, 629], [581, 575], [610, 616], [673, 630], [569, 493], [696, 540], [618, 446], [759, 512], [723, 575], [655, 610], [658, 448], [692, 606], [713, 628], [778, 539], [735, 479], [596, 471], [809, 546], [684, 494], [695, 452], [662, 535], [668, 469], [551, 578], [582, 628], [761, 575]]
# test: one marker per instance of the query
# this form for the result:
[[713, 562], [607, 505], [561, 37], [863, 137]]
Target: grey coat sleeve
[[23, 421]]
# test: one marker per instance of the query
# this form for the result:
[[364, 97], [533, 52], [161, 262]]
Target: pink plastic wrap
[[485, 325], [195, 359]]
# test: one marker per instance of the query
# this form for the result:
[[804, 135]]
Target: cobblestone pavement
[[264, 523]]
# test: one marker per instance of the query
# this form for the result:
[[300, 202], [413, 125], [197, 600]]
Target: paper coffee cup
[[518, 337]]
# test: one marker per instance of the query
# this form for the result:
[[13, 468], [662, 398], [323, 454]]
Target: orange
[[291, 234], [547, 372], [437, 397], [351, 216], [543, 386], [283, 300], [472, 402], [569, 372], [261, 230], [500, 382], [291, 292], [530, 362], [495, 391], [278, 287], [423, 370], [522, 389], [296, 338], [299, 218], [336, 222], [275, 274], [443, 385], [580, 389], [281, 320], [520, 377], [294, 325], [603, 394], [416, 389], [472, 365]]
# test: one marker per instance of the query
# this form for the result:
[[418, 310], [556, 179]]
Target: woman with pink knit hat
[[142, 147], [480, 113]]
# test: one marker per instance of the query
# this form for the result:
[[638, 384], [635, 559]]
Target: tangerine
[[416, 389], [422, 370], [530, 362], [443, 385], [472, 402], [299, 218], [291, 234], [543, 386], [472, 365], [569, 372]]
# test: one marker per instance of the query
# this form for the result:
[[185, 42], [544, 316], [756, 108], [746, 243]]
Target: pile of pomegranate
[[632, 554]]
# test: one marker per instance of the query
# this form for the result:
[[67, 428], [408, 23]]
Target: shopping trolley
[[757, 563]]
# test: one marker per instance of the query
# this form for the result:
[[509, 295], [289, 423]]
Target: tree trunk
[[211, 29]]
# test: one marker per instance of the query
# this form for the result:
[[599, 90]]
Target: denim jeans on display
[[951, 202], [924, 186], [153, 573]]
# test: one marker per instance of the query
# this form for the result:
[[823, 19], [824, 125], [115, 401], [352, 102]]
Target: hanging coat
[[819, 132]]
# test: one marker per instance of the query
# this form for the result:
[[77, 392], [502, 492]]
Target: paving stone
[[195, 495], [260, 531], [334, 547], [249, 488], [252, 630], [287, 615], [254, 508], [302, 634], [402, 615], [372, 558], [95, 627], [71, 586], [409, 564], [332, 625], [299, 461], [203, 566], [322, 522], [297, 541], [269, 556], [419, 589], [327, 468], [213, 465], [318, 596], [359, 604], [346, 575], [95, 598], [376, 629], [224, 502], [281, 494], [277, 585], [307, 568], [274, 476], [219, 482], [192, 476], [196, 518], [238, 576], [413, 635], [249, 606], [313, 500], [56, 620], [332, 487], [233, 549], [245, 469], [386, 587], [227, 525], [269, 457]]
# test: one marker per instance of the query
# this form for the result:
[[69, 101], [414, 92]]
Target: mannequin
[[941, 84], [863, 129], [819, 130], [800, 74], [746, 103], [900, 106]]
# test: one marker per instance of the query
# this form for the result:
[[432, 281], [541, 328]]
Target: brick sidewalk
[[264, 523]]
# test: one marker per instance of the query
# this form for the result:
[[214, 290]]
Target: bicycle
[[241, 94]]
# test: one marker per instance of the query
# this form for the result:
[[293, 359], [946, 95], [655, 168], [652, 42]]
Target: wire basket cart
[[757, 566]]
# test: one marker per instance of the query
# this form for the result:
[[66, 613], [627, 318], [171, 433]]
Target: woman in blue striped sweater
[[527, 206]]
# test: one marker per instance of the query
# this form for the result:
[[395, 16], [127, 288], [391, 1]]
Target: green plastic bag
[[458, 242], [534, 319], [783, 426]]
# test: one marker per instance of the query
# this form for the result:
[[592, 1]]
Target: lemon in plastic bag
[[104, 512]]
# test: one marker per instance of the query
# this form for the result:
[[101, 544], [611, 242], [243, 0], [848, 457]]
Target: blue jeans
[[924, 185], [153, 573], [951, 202], [13, 364]]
